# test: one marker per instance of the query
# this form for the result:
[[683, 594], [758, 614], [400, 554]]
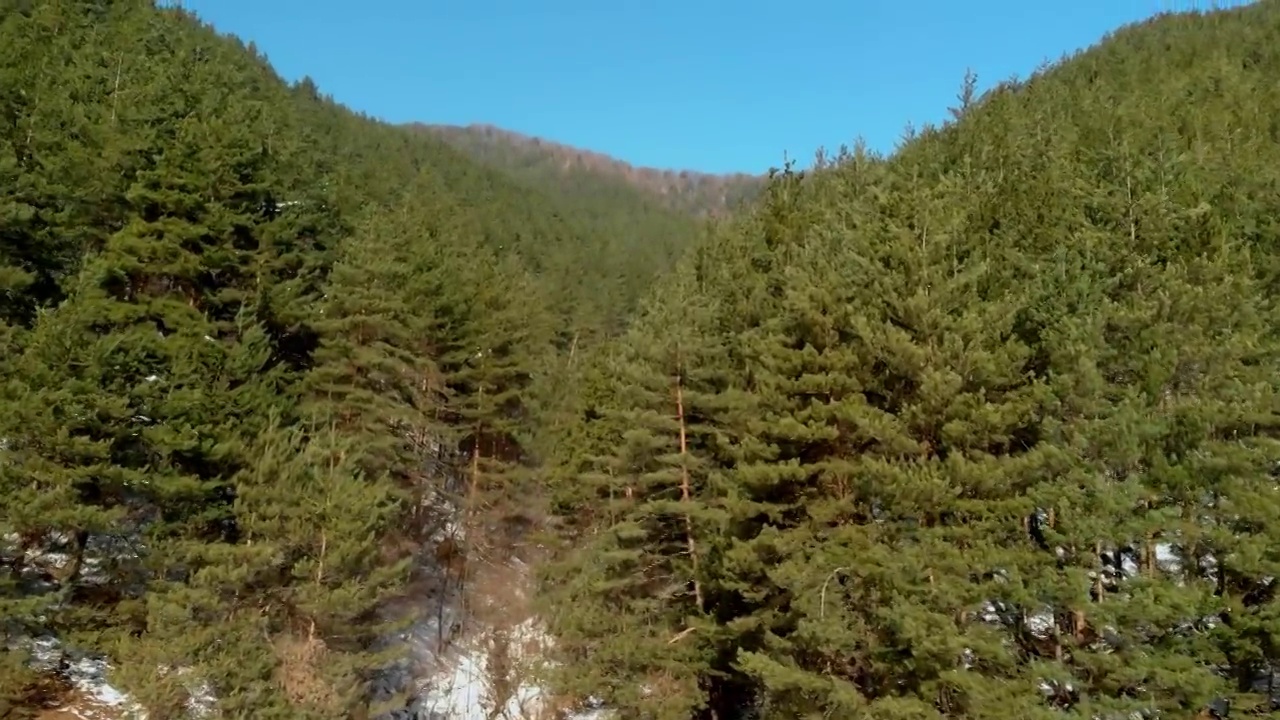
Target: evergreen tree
[[652, 473]]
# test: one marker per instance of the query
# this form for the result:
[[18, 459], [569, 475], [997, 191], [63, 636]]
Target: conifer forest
[[295, 403]]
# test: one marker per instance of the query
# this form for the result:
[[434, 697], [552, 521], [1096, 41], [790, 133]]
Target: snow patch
[[95, 697], [468, 687], [492, 674]]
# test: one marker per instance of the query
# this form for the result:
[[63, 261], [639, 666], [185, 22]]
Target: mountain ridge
[[534, 158]]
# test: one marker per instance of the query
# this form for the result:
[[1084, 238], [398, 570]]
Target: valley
[[309, 415]]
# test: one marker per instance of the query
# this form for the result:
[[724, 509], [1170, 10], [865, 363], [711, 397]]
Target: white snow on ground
[[465, 689], [96, 698], [464, 694], [458, 686]]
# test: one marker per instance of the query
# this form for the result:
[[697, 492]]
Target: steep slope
[[594, 255], [985, 429], [273, 374], [597, 179], [653, 215]]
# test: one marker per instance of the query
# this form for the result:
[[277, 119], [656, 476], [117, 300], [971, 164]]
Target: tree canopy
[[983, 428]]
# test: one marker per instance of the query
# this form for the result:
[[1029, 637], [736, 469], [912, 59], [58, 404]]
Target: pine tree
[[654, 472], [370, 381]]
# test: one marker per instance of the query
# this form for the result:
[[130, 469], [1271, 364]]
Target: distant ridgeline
[[984, 429], [597, 181]]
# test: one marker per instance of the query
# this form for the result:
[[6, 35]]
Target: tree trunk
[[684, 490]]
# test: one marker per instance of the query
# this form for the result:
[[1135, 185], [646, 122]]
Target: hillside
[[593, 178], [275, 377], [984, 429], [306, 416], [639, 226]]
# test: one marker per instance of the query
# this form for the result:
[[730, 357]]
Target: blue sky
[[712, 85]]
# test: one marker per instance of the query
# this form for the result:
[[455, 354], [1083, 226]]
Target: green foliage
[[994, 417], [253, 344], [984, 429]]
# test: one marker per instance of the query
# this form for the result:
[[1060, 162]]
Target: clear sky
[[712, 85]]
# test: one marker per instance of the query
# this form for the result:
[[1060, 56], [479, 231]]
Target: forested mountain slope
[[259, 353], [638, 220], [593, 181], [984, 429]]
